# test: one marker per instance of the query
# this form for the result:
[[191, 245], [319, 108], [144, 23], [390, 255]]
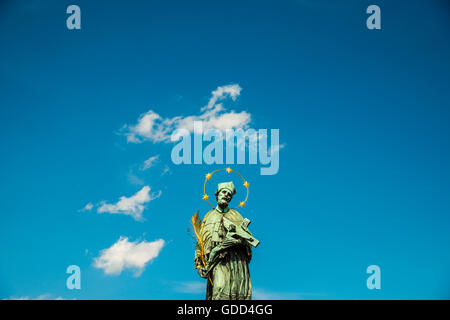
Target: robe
[[230, 276]]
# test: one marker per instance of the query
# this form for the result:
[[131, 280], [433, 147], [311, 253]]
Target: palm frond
[[200, 235]]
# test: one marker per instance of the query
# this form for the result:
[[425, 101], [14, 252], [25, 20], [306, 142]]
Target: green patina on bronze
[[227, 250]]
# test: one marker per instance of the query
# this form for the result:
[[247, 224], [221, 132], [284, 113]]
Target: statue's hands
[[212, 255], [231, 241], [219, 251], [202, 272]]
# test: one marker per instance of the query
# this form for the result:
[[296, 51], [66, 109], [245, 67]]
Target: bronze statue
[[223, 249]]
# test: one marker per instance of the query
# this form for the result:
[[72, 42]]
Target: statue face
[[223, 198]]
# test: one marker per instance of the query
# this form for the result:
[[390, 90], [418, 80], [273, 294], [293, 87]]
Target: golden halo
[[229, 170]]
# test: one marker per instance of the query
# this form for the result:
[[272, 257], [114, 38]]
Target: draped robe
[[230, 276]]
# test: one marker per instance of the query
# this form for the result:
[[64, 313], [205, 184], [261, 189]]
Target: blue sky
[[363, 115]]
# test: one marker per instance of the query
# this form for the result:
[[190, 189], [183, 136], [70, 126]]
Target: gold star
[[228, 170], [208, 176], [242, 204], [205, 197], [246, 184]]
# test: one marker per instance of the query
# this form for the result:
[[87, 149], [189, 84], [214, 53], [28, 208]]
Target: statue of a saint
[[227, 250]]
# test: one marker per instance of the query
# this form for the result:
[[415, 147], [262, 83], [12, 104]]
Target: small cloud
[[134, 179], [150, 126], [150, 162], [128, 255], [166, 170], [133, 206], [231, 90], [276, 148], [87, 207]]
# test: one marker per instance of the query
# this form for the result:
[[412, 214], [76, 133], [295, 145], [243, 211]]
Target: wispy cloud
[[134, 179], [87, 207], [193, 287], [276, 148], [261, 294], [199, 287], [152, 127], [231, 90], [128, 255], [45, 296], [166, 170], [133, 206], [150, 162]]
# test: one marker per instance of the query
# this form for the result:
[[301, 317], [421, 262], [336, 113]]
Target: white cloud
[[166, 170], [87, 207], [152, 127], [128, 255], [134, 179], [133, 206], [150, 162], [231, 90]]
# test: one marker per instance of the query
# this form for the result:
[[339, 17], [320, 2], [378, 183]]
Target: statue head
[[224, 194]]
